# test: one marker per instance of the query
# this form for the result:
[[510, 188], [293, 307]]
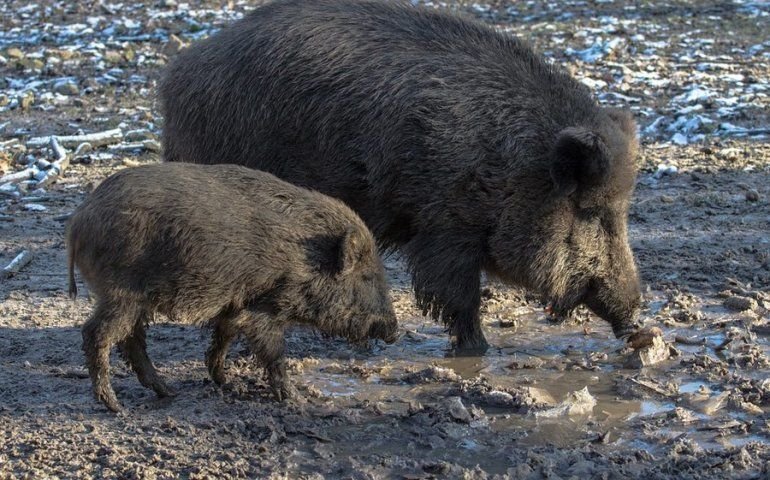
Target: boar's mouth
[[383, 329], [622, 320], [559, 309]]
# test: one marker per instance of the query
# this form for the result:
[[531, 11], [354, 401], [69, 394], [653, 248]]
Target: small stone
[[497, 398], [26, 100], [168, 3], [35, 64], [738, 303], [644, 337], [667, 199], [4, 100], [540, 396], [66, 88], [580, 402], [113, 56], [14, 53], [751, 408], [752, 195], [173, 46], [705, 402], [656, 352], [65, 54], [432, 374], [457, 410]]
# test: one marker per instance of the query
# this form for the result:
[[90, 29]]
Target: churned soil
[[546, 401]]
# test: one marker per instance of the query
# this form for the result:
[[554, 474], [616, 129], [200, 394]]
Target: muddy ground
[[697, 79]]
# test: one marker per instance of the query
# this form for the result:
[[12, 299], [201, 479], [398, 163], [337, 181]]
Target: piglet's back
[[220, 229]]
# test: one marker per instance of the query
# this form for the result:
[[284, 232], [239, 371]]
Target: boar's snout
[[617, 302], [384, 328]]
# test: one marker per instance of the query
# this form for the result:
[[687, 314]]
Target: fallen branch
[[748, 131], [16, 177], [97, 139], [21, 261], [149, 145], [9, 190], [60, 163]]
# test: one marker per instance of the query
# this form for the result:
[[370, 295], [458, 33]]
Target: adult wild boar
[[223, 244], [455, 143]]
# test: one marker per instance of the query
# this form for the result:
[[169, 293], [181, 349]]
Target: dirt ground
[[697, 80]]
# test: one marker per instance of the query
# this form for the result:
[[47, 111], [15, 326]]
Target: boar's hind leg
[[134, 350], [225, 331], [110, 323], [265, 332]]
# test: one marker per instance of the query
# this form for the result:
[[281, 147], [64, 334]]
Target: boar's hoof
[[470, 347]]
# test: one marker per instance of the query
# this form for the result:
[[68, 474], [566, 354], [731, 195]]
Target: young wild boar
[[454, 142], [223, 244]]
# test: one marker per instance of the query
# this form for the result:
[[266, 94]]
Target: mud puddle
[[542, 365]]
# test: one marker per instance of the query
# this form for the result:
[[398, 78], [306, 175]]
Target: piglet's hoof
[[109, 399], [284, 393]]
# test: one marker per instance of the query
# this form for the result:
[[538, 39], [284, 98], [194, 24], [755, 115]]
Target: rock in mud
[[705, 402], [66, 88], [14, 53], [644, 337], [580, 402], [752, 195], [457, 410], [739, 303], [432, 374], [654, 353], [26, 100]]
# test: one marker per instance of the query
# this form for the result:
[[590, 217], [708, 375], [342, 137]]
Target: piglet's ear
[[579, 159], [353, 248], [624, 119]]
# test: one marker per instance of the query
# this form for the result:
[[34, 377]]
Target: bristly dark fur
[[454, 142], [226, 245]]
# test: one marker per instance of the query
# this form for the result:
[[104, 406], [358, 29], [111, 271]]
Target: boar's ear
[[352, 249], [578, 159]]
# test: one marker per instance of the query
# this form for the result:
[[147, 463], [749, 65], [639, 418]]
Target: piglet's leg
[[225, 330], [134, 349], [110, 323], [266, 334]]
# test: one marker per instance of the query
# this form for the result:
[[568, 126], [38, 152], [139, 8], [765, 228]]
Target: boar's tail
[[73, 288]]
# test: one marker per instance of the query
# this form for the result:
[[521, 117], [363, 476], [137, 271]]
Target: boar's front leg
[[447, 285], [265, 332]]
